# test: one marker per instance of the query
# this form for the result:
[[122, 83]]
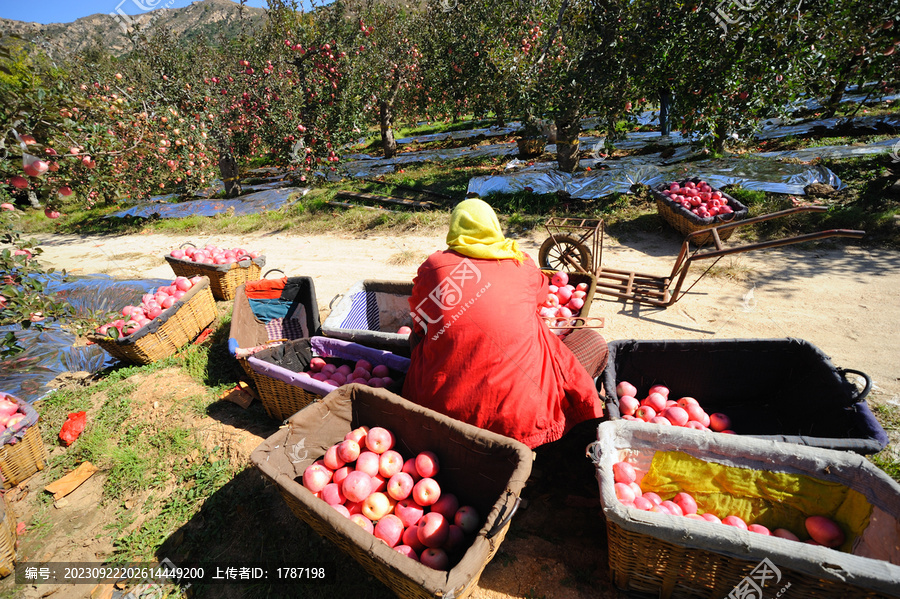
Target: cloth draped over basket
[[287, 362], [273, 310], [371, 312]]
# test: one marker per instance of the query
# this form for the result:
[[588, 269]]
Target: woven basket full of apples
[[22, 450], [226, 268], [690, 517], [568, 301], [778, 389], [692, 205], [420, 500]]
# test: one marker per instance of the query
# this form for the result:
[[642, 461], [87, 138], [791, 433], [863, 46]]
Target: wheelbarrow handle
[[271, 270]]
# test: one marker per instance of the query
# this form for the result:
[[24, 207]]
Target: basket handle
[[501, 521], [860, 395], [271, 270], [334, 299], [187, 243]]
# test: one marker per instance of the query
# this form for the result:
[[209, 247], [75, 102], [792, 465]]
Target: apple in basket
[[8, 408]]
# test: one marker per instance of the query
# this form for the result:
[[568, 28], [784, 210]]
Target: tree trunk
[[721, 134], [665, 109], [228, 170], [835, 100], [386, 119], [568, 126]]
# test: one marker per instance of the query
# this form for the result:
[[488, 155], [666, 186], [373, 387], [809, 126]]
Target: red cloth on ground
[[487, 358], [265, 288]]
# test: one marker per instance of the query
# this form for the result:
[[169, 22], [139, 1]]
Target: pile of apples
[[10, 416], [362, 372], [563, 302], [656, 407], [212, 254], [699, 198], [394, 498], [152, 305], [822, 530]]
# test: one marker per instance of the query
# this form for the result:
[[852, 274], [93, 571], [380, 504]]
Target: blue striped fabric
[[363, 313]]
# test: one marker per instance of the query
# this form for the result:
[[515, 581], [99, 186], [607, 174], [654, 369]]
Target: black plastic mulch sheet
[[52, 351]]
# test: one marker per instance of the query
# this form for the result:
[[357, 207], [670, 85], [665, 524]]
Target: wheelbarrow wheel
[[557, 251]]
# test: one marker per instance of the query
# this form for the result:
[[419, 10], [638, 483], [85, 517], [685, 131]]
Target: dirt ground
[[843, 298]]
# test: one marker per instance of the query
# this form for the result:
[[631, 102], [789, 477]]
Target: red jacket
[[486, 357]]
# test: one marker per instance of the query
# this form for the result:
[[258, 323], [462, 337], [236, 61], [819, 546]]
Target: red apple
[[390, 463], [759, 529], [427, 464], [623, 472], [380, 371], [447, 506], [409, 511], [642, 503], [400, 486], [653, 497], [332, 494], [368, 462], [677, 416], [456, 540], [785, 534], [467, 519], [426, 492], [657, 401], [709, 517], [407, 551], [409, 466], [433, 529], [625, 388], [661, 389], [825, 531], [435, 558], [735, 521], [624, 493], [315, 477], [376, 506], [363, 522], [719, 422], [340, 474], [331, 459], [686, 502], [411, 537], [628, 405], [645, 413], [357, 486], [342, 510], [379, 439], [348, 449], [673, 507]]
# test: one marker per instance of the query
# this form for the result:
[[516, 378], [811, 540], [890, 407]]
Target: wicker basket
[[370, 313], [676, 557], [174, 328], [247, 331], [576, 278], [283, 391], [223, 278], [19, 461], [7, 540], [686, 222], [500, 466], [776, 389]]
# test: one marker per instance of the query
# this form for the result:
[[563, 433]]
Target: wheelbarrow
[[663, 291]]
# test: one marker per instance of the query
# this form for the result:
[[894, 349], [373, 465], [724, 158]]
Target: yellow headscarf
[[475, 232]]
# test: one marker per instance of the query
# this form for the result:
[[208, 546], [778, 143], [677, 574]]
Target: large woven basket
[[276, 371], [223, 278], [174, 328], [679, 558], [19, 461], [686, 222], [778, 389], [248, 331], [484, 469], [370, 313], [7, 539]]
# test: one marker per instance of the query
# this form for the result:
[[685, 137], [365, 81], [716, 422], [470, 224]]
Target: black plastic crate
[[779, 389]]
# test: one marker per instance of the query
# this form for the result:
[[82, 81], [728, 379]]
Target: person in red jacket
[[481, 353]]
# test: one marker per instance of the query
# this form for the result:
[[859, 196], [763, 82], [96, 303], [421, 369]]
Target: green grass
[[889, 459]]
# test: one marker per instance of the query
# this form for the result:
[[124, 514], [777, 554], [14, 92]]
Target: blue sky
[[66, 11]]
